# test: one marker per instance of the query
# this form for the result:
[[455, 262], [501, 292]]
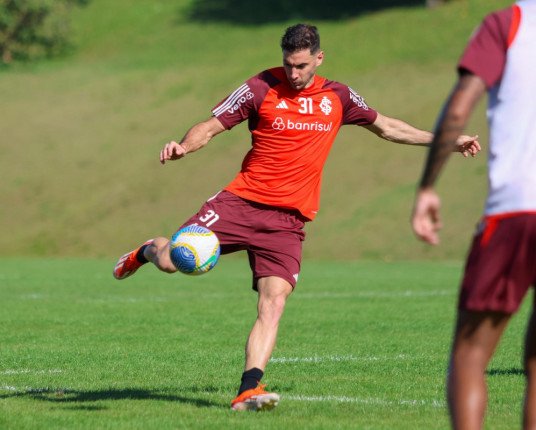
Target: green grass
[[81, 134], [362, 345]]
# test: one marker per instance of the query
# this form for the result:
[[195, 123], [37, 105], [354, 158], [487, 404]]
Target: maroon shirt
[[485, 54]]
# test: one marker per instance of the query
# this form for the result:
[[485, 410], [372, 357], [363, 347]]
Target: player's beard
[[301, 84]]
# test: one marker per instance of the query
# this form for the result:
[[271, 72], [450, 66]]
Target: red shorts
[[501, 265], [271, 236]]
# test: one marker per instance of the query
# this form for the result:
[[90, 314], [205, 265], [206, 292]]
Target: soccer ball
[[194, 250]]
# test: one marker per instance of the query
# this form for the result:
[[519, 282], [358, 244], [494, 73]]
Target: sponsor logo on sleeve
[[232, 103], [358, 100]]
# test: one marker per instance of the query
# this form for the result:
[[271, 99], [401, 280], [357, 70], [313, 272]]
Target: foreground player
[[294, 116], [501, 265]]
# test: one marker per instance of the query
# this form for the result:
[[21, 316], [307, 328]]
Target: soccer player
[[501, 265], [293, 116]]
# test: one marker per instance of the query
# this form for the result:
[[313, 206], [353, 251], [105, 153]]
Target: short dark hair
[[299, 37]]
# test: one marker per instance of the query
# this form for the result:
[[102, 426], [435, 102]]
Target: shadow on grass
[[79, 398], [506, 372], [249, 12]]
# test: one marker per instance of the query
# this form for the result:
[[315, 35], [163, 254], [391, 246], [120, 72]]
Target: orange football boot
[[256, 399], [128, 263]]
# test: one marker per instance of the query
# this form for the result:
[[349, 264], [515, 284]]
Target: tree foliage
[[31, 29]]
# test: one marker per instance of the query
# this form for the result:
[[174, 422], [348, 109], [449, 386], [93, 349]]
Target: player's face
[[300, 67]]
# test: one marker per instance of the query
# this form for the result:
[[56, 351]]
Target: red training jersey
[[292, 133]]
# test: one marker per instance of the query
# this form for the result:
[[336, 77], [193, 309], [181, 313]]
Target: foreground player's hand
[[468, 145], [172, 151], [426, 219]]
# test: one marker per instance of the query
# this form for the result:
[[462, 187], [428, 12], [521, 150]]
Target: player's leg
[[154, 250], [475, 339], [158, 253], [273, 293], [529, 415]]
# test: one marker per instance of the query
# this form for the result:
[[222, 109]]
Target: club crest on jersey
[[325, 105]]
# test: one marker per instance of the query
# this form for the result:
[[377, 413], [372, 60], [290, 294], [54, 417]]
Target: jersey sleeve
[[244, 102], [355, 109], [485, 54]]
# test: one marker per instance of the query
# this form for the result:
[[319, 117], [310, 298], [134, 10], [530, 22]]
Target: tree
[[34, 28]]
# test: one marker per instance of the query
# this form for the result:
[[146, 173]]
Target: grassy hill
[[80, 136]]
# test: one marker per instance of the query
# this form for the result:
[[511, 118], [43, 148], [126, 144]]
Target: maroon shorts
[[271, 236], [501, 265]]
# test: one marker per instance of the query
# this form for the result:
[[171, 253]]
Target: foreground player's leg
[[475, 339], [273, 293], [158, 254], [529, 413], [154, 250]]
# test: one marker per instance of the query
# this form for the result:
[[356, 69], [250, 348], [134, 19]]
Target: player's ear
[[319, 58]]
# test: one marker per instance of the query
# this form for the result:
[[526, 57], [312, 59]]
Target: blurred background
[[90, 90]]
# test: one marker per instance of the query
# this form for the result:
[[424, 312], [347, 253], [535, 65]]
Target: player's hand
[[426, 219], [172, 151], [468, 145]]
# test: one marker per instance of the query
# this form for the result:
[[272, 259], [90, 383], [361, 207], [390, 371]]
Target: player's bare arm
[[197, 137], [451, 124], [395, 130]]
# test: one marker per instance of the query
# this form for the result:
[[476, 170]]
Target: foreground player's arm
[[395, 130], [451, 124], [197, 137], [426, 220]]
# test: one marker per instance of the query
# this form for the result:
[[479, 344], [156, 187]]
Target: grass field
[[362, 346], [80, 135], [364, 340]]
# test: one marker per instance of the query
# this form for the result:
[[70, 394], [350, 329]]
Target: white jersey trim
[[231, 100]]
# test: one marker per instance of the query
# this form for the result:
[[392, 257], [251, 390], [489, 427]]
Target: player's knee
[[278, 304], [272, 310]]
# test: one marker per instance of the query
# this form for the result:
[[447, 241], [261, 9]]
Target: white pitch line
[[23, 371], [375, 294], [366, 401], [335, 358], [8, 388], [301, 294], [31, 390]]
